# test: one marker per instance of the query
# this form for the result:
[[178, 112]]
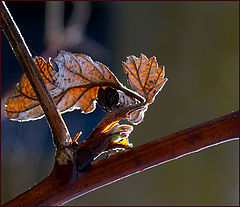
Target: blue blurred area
[[32, 141], [30, 20]]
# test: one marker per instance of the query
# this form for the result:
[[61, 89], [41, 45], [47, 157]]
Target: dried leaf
[[110, 99], [137, 116], [120, 136], [73, 81], [144, 76]]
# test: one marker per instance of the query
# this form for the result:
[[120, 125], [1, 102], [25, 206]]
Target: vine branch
[[59, 130], [53, 191], [66, 182]]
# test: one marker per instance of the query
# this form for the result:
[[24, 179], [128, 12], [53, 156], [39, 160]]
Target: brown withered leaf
[[73, 81], [137, 116], [144, 76]]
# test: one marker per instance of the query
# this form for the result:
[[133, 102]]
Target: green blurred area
[[198, 44]]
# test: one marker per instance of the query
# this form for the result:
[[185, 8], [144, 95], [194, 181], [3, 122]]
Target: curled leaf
[[73, 81], [119, 138], [110, 99], [137, 116]]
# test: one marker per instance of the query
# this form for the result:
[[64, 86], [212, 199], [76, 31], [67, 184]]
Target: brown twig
[[54, 191], [60, 132]]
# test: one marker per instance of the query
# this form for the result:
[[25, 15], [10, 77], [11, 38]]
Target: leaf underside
[[73, 81], [146, 78]]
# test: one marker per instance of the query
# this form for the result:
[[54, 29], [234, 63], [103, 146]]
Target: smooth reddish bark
[[64, 184]]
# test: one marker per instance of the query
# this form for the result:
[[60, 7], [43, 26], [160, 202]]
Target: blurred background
[[198, 44]]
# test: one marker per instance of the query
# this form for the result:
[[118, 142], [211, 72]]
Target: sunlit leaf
[[73, 81], [144, 76]]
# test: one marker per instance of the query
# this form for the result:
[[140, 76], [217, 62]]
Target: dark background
[[198, 44]]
